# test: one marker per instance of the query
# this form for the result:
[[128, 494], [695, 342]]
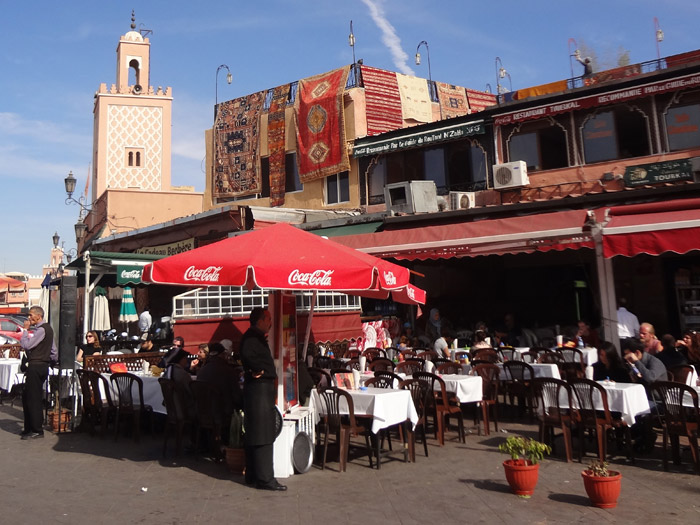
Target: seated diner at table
[[648, 336], [197, 363], [645, 368], [689, 346], [669, 355], [610, 365], [480, 340], [90, 347], [442, 344], [588, 334]]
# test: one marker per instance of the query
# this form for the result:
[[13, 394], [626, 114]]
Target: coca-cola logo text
[[315, 278], [390, 278], [131, 274], [209, 274]]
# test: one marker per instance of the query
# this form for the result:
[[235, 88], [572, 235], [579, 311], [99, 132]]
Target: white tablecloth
[[540, 369], [590, 355], [468, 389], [630, 399], [152, 394], [386, 406], [8, 373]]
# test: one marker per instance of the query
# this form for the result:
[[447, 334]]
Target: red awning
[[542, 232], [654, 228]]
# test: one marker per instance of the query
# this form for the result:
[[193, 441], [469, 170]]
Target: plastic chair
[[449, 368], [551, 394], [490, 375], [422, 397], [442, 408], [679, 373], [210, 414], [96, 410], [519, 376], [484, 354], [177, 417], [428, 355], [381, 364], [373, 353], [320, 377], [590, 417], [344, 426], [124, 383], [679, 418], [389, 376], [409, 366]]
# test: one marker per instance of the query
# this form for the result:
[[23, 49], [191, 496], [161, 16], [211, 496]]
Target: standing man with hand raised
[[259, 402], [38, 349]]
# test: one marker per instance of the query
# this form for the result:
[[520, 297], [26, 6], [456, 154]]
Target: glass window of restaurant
[[542, 145], [338, 188], [683, 127], [619, 133]]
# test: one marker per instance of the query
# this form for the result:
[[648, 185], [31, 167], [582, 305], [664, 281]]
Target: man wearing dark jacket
[[38, 351], [259, 402]]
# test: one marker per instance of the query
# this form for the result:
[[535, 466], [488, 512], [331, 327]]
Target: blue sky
[[54, 55]]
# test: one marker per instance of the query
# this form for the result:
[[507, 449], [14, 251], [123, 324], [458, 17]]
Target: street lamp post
[[500, 73], [229, 79], [80, 226], [430, 74], [659, 36]]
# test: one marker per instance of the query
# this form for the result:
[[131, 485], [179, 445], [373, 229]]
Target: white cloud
[[389, 37]]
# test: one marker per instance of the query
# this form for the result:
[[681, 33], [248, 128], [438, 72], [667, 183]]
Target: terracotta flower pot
[[603, 492], [522, 476]]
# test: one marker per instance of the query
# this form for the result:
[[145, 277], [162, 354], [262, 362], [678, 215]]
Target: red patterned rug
[[321, 147], [453, 100], [236, 147], [479, 100], [383, 100], [275, 144]]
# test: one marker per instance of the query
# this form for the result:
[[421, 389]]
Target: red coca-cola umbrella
[[282, 257]]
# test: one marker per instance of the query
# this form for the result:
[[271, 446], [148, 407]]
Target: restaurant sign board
[[169, 249], [415, 140], [129, 274], [658, 172]]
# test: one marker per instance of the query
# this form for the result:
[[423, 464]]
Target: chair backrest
[[322, 361], [680, 403], [373, 353], [554, 394], [379, 382], [320, 377], [352, 353], [389, 376], [409, 352], [124, 383], [437, 385], [572, 355], [553, 358], [13, 351], [331, 398], [409, 366], [134, 362], [680, 373], [90, 395], [518, 371], [507, 353], [584, 391], [486, 354], [208, 403], [490, 377], [570, 371], [174, 404], [449, 368], [353, 364], [531, 356], [421, 393], [381, 364], [428, 355]]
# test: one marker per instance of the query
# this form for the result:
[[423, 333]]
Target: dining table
[[152, 393], [467, 388], [9, 369], [540, 370], [628, 399]]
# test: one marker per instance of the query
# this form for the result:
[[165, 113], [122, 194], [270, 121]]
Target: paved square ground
[[76, 478]]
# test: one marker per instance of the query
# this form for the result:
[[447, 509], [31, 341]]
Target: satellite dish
[[138, 89]]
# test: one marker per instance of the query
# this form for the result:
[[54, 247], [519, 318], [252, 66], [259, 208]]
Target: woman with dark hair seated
[[610, 365], [90, 347]]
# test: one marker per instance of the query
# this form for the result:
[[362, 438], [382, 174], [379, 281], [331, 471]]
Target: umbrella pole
[[308, 325]]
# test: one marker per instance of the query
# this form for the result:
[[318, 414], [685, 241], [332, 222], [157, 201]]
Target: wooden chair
[[519, 376], [680, 417], [449, 368], [96, 410], [490, 356], [409, 366], [176, 414], [380, 363], [588, 416], [344, 426], [443, 408], [490, 375], [679, 373], [125, 382], [422, 396], [554, 407], [320, 377], [210, 414]]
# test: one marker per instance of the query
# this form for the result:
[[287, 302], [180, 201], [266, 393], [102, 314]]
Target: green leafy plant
[[518, 447], [599, 469]]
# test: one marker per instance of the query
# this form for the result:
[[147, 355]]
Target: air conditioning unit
[[510, 175], [415, 196], [462, 200]]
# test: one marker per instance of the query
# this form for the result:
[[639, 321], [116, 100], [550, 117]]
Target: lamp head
[[55, 238], [69, 182], [80, 230], [229, 77], [417, 59], [659, 35]]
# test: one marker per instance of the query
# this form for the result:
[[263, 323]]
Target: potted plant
[[234, 453], [602, 485], [522, 470]]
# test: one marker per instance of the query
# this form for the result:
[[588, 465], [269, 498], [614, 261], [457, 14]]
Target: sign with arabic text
[[658, 172]]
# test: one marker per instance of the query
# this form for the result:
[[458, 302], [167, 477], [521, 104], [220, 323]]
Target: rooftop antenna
[[351, 43]]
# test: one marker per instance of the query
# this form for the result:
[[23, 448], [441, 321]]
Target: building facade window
[[620, 133], [133, 157], [338, 188], [542, 145], [683, 127], [292, 182]]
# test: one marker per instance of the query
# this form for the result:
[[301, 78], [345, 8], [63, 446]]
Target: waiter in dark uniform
[[38, 351], [259, 402]]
